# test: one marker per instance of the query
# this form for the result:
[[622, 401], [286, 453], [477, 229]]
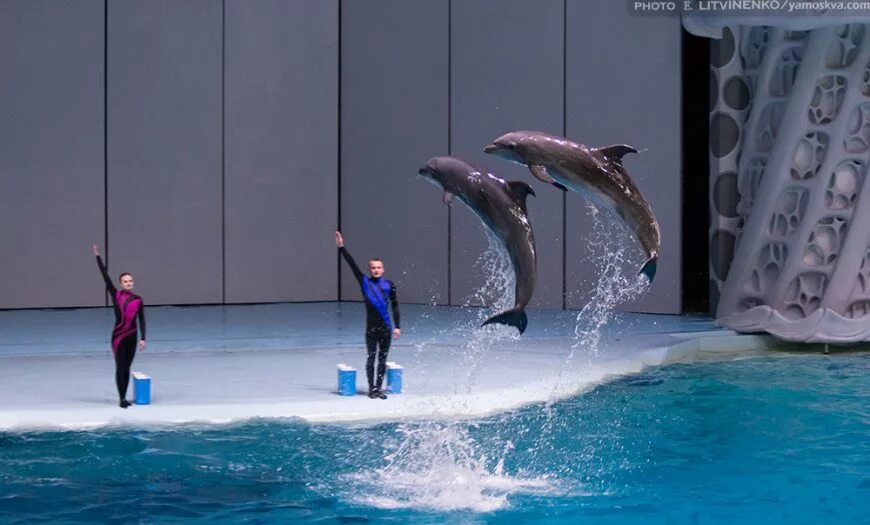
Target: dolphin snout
[[490, 149], [423, 171]]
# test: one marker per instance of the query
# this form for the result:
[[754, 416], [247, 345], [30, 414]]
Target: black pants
[[123, 361], [375, 338]]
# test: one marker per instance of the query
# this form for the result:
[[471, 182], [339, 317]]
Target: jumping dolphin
[[596, 173], [501, 206]]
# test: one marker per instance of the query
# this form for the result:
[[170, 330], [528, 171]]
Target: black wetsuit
[[128, 307], [376, 293]]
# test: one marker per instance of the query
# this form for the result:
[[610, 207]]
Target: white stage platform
[[219, 364]]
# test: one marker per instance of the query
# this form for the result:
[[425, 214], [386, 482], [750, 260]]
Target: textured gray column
[[736, 61], [801, 268]]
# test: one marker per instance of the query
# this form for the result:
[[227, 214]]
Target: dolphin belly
[[517, 239], [629, 205], [519, 244], [589, 191]]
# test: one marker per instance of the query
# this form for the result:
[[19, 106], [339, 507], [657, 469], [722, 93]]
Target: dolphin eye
[[512, 146]]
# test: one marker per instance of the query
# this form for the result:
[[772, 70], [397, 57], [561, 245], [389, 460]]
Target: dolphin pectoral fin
[[446, 198], [516, 318], [540, 173], [616, 152]]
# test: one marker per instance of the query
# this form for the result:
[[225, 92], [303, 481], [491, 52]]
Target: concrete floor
[[226, 363]]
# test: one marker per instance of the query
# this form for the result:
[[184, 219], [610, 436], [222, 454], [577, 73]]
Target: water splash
[[440, 466], [609, 243], [471, 342], [498, 291]]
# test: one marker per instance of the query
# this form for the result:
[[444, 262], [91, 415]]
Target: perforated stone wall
[[790, 147]]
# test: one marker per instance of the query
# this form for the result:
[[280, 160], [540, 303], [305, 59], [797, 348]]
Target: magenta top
[[128, 307]]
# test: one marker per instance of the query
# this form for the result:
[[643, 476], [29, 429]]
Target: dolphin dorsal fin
[[615, 152], [520, 190]]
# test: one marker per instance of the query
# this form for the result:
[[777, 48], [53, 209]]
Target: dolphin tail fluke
[[649, 267], [516, 318]]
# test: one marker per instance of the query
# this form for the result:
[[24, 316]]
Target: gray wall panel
[[623, 89], [507, 74], [164, 147], [394, 118], [281, 150], [169, 204], [51, 152]]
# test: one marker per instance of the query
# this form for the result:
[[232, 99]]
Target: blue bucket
[[394, 377], [346, 380], [141, 389]]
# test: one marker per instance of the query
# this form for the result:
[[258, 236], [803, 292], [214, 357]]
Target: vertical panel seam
[[338, 151], [106, 136], [565, 134], [449, 144], [223, 152]]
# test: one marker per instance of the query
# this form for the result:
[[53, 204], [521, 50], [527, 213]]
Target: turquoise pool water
[[766, 440]]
